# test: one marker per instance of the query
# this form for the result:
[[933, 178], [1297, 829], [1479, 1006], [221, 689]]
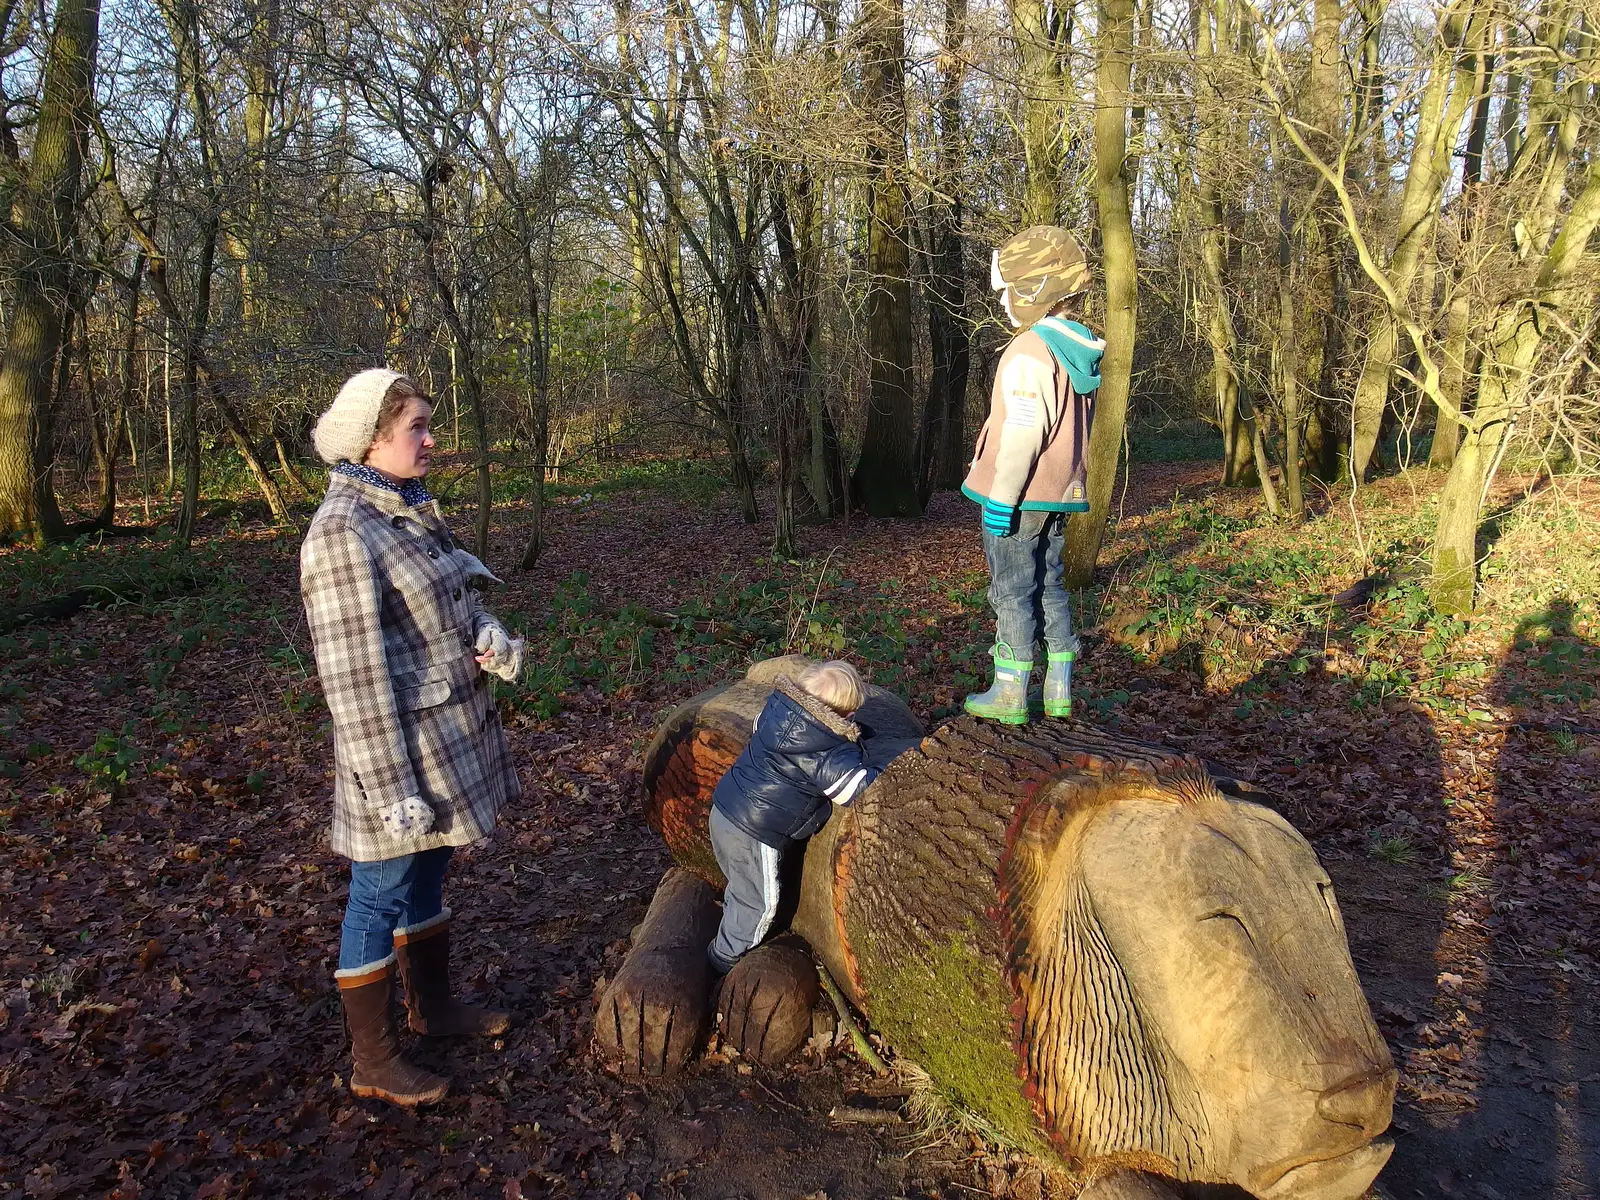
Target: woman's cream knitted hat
[[346, 430]]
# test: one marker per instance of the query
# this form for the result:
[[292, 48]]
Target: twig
[[843, 1114], [863, 1047], [776, 1097]]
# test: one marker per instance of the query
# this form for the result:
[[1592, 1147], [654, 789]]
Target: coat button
[[398, 522], [456, 595], [432, 553]]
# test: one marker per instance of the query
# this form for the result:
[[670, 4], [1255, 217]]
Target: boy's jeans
[[751, 899], [1025, 588], [386, 894]]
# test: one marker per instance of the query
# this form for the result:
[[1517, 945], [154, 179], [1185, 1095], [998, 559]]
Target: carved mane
[[1098, 1073]]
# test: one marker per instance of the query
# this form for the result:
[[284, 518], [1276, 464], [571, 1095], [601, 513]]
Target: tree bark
[[1113, 74], [1042, 29], [1513, 347], [1214, 112], [243, 443], [45, 219], [1288, 362], [943, 424], [887, 481], [1454, 377], [1443, 105], [1321, 342]]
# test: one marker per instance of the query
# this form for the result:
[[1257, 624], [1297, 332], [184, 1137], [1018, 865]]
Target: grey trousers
[[751, 899]]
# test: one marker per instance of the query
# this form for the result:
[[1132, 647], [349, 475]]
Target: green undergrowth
[[1175, 441], [904, 636], [1236, 599], [188, 597], [686, 480], [138, 569]]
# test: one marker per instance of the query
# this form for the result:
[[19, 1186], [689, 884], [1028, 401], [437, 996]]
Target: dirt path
[[166, 1022]]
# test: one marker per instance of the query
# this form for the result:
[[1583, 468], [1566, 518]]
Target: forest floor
[[169, 912]]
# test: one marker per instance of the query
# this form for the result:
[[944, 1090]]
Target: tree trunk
[[943, 425], [1238, 467], [1041, 29], [1438, 121], [461, 339], [825, 470], [1113, 73], [650, 1017], [886, 481], [117, 420], [1320, 337], [538, 346], [744, 477], [1259, 457], [1288, 362], [247, 451], [1453, 380], [796, 335], [286, 464], [964, 903], [105, 435], [189, 400], [1514, 344], [45, 223]]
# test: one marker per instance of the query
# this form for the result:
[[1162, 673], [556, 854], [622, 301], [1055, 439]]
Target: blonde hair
[[837, 684]]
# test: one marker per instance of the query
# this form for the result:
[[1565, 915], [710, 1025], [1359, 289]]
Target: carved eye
[[1228, 914]]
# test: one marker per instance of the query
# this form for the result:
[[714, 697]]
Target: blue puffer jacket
[[801, 760]]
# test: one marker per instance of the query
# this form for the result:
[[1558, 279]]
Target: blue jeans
[[386, 894], [1025, 587]]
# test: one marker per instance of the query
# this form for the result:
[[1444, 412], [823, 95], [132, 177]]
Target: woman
[[421, 764]]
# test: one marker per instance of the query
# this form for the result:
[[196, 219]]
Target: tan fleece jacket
[[1031, 451]]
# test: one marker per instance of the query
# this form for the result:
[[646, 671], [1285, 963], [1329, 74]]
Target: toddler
[[804, 757]]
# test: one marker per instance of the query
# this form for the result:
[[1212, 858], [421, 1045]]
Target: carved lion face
[[1226, 931]]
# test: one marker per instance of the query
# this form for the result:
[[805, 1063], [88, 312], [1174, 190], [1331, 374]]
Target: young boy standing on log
[[1029, 469], [804, 757]]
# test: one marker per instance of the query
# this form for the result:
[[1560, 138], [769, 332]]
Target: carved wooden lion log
[[1083, 941]]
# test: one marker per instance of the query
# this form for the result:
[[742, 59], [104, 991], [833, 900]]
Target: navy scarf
[[411, 491]]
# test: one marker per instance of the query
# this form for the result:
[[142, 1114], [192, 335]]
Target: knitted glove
[[999, 519], [499, 653], [410, 817]]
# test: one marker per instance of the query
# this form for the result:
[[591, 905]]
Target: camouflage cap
[[1041, 266]]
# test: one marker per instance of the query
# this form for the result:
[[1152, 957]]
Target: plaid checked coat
[[394, 625]]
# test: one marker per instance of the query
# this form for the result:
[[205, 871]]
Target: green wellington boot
[[1058, 684], [1007, 698]]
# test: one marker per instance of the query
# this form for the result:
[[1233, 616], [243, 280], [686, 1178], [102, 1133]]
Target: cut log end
[[650, 1019], [764, 1006]]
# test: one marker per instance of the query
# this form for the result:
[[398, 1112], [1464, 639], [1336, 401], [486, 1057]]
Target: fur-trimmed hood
[[818, 711]]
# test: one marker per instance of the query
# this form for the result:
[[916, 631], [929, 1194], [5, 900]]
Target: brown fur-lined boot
[[380, 1070], [424, 952]]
